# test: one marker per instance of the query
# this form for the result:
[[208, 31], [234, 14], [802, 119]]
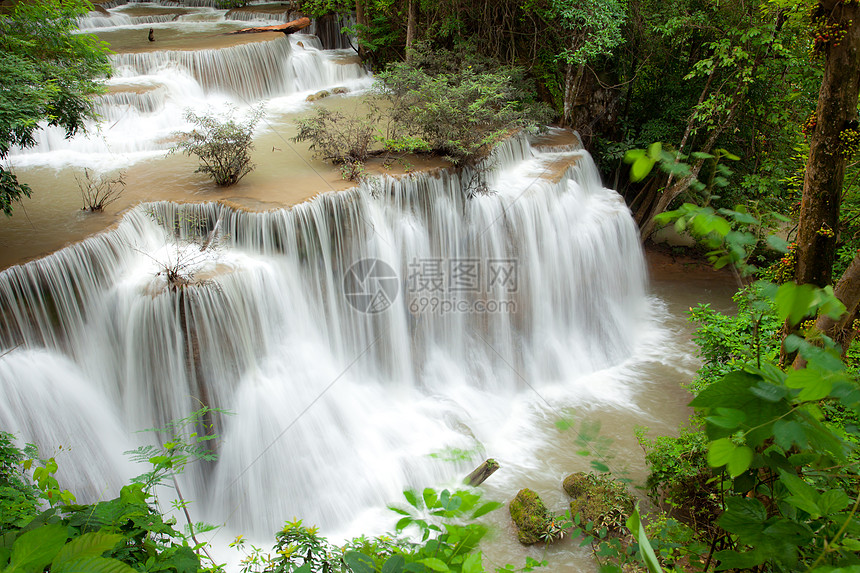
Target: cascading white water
[[151, 88], [336, 410]]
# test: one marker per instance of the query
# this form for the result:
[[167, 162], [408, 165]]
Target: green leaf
[[740, 462], [413, 499], [813, 383], [728, 418], [434, 564], [777, 243], [87, 545], [737, 459], [803, 495], [768, 391], [654, 150], [641, 168], [358, 562], [430, 499], [787, 433], [34, 550], [634, 524], [473, 564], [486, 508], [727, 391], [733, 560], [393, 564], [91, 564], [743, 516], [794, 302], [832, 501]]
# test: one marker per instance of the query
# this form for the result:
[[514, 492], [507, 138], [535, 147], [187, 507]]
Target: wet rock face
[[598, 499], [530, 516]]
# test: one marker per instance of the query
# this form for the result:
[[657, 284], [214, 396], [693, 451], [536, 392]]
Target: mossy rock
[[340, 90], [530, 516], [319, 95], [599, 499]]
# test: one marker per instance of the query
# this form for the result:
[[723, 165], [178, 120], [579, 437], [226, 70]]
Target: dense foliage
[[47, 73], [222, 144]]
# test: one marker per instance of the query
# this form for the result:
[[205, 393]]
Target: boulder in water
[[319, 95], [599, 499], [534, 522]]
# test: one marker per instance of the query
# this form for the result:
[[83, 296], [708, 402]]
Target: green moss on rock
[[530, 516], [599, 499]]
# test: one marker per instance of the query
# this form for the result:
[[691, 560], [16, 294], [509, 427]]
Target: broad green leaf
[[733, 560], [430, 499], [359, 562], [803, 495], [473, 564], [435, 564], [832, 501], [794, 302], [787, 433], [727, 391], [813, 383], [768, 391], [641, 168], [654, 150], [744, 516], [486, 508], [777, 243], [740, 461], [720, 452], [393, 564], [634, 524], [92, 564], [413, 499], [34, 550], [87, 545], [727, 418], [829, 304]]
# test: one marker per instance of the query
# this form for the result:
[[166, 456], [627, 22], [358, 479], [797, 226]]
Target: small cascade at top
[[191, 62]]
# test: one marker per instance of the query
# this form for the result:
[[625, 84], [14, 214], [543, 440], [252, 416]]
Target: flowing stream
[[369, 340]]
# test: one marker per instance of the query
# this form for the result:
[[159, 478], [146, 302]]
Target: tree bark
[[411, 23], [287, 28], [825, 168]]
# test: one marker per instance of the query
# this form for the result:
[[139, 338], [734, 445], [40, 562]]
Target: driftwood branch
[[287, 28], [481, 473]]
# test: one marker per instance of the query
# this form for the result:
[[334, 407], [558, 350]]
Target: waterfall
[[483, 302]]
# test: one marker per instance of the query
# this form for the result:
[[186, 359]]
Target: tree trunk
[[825, 168], [411, 23], [842, 330], [287, 28]]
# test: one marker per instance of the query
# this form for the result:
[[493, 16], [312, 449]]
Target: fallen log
[[481, 473], [287, 28]]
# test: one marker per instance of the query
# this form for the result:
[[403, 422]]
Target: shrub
[[98, 193], [222, 146], [341, 139], [458, 105]]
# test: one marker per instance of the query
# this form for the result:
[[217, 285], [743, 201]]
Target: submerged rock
[[531, 517], [599, 499], [319, 95]]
